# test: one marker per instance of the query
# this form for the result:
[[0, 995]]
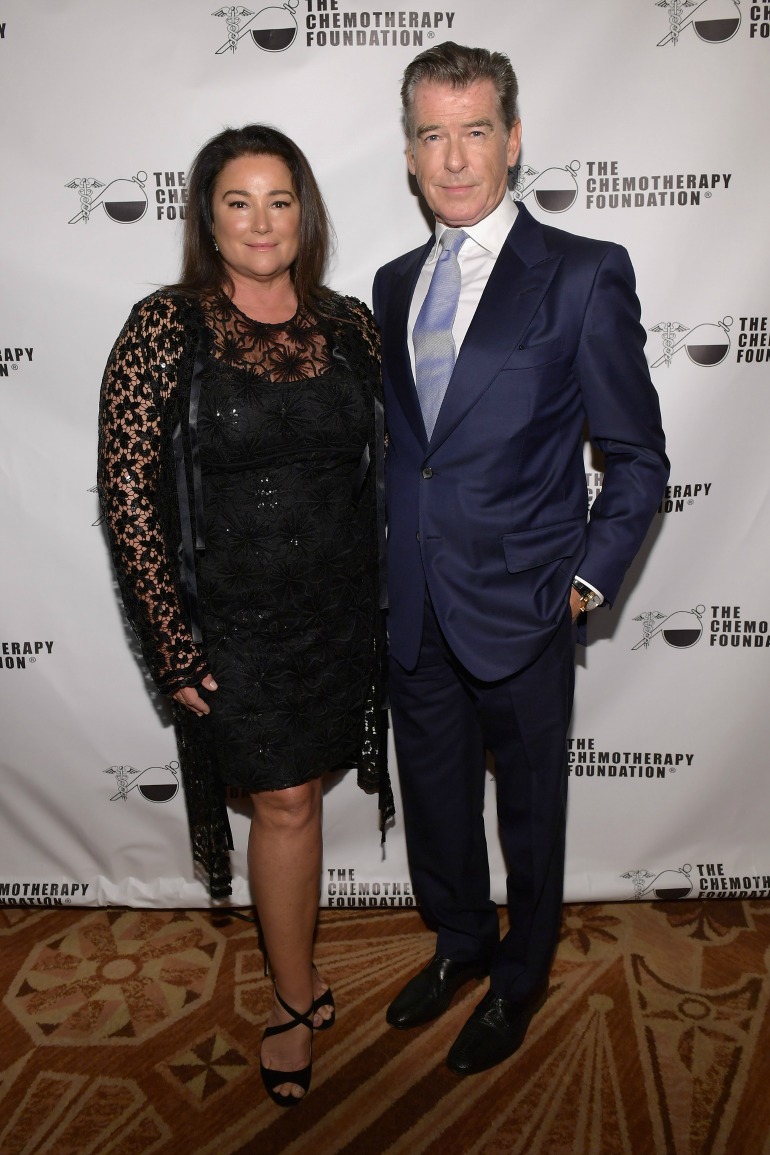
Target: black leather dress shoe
[[493, 1032], [430, 992]]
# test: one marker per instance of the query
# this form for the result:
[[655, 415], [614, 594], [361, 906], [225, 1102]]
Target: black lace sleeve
[[360, 339], [139, 383], [362, 317]]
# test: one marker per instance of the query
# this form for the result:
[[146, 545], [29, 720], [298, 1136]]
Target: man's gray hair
[[458, 66]]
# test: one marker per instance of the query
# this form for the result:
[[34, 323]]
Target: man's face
[[460, 150]]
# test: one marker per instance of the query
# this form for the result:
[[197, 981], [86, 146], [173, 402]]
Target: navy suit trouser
[[444, 720]]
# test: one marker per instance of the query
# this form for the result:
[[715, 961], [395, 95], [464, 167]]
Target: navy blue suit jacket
[[491, 513]]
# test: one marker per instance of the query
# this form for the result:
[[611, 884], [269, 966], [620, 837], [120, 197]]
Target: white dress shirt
[[476, 259]]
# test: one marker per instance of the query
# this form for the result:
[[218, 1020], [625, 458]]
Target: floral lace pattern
[[288, 578]]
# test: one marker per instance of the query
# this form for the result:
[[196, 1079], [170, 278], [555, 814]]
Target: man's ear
[[514, 143]]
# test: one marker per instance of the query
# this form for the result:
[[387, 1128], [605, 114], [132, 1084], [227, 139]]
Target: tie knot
[[452, 240]]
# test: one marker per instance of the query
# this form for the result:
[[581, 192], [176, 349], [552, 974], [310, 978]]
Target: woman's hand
[[188, 696]]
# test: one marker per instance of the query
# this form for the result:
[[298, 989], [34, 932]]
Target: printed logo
[[668, 885], [342, 889], [715, 883], [16, 655], [759, 28], [680, 630], [607, 187], [42, 893], [123, 200], [155, 784], [273, 29], [594, 482], [170, 195], [13, 356], [95, 490], [727, 626], [584, 760], [677, 497], [554, 189], [712, 21], [752, 341], [706, 345]]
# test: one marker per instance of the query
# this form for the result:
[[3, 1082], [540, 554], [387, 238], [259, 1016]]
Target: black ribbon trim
[[379, 477], [186, 550], [359, 478], [186, 546], [192, 428]]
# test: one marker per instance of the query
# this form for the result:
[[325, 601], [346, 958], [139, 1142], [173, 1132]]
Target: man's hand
[[575, 604], [188, 696]]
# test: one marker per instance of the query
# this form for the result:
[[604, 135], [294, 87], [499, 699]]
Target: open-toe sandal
[[325, 1000], [272, 1078]]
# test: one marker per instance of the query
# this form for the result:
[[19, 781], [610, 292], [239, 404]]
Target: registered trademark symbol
[[68, 900], [707, 194], [672, 769], [14, 366], [691, 501], [431, 35], [33, 659]]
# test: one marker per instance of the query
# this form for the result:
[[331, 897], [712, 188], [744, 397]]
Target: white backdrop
[[644, 124]]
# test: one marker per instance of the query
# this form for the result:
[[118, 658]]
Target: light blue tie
[[434, 347]]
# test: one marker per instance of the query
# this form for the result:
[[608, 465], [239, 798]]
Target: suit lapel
[[396, 351], [518, 282]]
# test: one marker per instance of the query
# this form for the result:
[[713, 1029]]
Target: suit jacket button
[[418, 535], [427, 472]]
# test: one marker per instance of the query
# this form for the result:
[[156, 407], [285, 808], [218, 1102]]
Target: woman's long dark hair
[[203, 270]]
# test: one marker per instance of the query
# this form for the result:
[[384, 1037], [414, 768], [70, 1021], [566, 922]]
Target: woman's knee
[[294, 807]]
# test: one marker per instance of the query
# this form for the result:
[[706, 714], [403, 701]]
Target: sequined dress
[[238, 479]]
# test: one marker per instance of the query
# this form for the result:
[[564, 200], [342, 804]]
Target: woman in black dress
[[240, 444]]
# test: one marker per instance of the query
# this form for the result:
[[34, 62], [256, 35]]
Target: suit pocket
[[530, 548], [531, 356]]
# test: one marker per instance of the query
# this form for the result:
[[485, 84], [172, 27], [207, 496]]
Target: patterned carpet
[[126, 1032]]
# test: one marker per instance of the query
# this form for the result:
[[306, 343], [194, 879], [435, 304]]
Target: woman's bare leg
[[285, 876]]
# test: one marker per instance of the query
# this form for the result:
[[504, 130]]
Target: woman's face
[[256, 218]]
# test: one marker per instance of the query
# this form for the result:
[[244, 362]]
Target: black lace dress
[[238, 476]]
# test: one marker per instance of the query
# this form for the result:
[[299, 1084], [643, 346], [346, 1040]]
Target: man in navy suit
[[491, 556]]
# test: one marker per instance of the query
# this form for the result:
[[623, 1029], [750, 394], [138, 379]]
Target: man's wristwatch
[[589, 599]]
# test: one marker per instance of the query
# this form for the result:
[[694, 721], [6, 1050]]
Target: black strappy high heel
[[272, 1078]]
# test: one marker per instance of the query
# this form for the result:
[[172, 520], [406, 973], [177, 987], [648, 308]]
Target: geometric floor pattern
[[126, 1032]]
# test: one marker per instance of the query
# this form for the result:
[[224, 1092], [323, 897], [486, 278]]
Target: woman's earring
[[216, 246]]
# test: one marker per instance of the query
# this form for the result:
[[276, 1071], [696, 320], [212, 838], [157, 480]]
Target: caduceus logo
[[706, 345], [95, 490], [554, 189], [273, 29], [123, 200], [713, 21], [680, 630], [667, 885], [155, 784]]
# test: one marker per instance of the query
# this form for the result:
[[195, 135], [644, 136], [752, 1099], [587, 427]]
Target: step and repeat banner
[[643, 124]]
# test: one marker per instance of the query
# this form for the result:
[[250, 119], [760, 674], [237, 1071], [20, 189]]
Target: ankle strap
[[305, 1020]]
